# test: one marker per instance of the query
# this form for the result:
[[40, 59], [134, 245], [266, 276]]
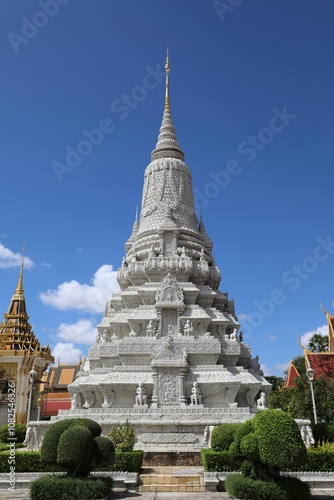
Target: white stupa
[[169, 356]]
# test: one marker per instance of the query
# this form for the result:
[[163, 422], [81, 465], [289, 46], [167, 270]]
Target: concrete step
[[168, 479]]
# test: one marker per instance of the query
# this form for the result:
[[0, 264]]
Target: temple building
[[169, 355], [53, 390], [20, 353], [322, 363]]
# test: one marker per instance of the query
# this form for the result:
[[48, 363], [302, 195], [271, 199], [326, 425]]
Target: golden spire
[[167, 70], [19, 289]]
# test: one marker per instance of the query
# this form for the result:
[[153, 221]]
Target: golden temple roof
[[15, 330]]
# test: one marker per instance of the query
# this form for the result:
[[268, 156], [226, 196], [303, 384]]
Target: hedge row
[[240, 486], [30, 461], [219, 461], [70, 487], [318, 459]]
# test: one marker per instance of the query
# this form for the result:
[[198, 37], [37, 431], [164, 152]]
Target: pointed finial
[[137, 213], [19, 289], [167, 70], [322, 309]]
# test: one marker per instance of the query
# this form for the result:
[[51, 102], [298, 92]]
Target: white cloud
[[66, 353], [266, 370], [90, 298], [244, 317], [81, 332], [8, 259], [321, 330], [282, 366], [271, 337]]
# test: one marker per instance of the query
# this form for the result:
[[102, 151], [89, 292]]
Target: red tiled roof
[[322, 363], [291, 376]]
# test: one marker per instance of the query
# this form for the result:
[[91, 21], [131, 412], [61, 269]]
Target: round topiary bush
[[76, 445], [241, 431], [280, 442], [271, 441], [249, 447], [53, 433], [19, 433], [103, 451], [222, 436], [74, 450]]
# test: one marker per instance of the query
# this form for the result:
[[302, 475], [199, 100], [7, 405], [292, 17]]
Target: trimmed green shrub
[[19, 430], [74, 450], [123, 436], [53, 433], [319, 459], [239, 486], [280, 442], [295, 488], [128, 461], [249, 447], [70, 443], [27, 461], [222, 436], [220, 461], [323, 432], [70, 487], [103, 451], [30, 461], [249, 469], [241, 431]]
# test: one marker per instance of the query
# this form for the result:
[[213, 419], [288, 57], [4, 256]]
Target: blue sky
[[251, 88]]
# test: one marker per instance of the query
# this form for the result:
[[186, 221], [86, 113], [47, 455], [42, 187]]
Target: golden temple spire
[[19, 289], [167, 70]]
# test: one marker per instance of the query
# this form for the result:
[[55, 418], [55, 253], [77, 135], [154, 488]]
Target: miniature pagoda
[[169, 356], [20, 352]]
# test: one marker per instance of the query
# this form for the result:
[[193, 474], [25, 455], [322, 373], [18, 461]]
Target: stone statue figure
[[233, 335], [74, 402], [31, 439], [207, 435], [188, 328], [195, 397], [150, 329], [305, 431], [261, 402], [307, 435], [140, 396], [105, 336]]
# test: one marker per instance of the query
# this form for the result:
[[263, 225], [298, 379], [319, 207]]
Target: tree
[[299, 363], [318, 343], [297, 401], [276, 382]]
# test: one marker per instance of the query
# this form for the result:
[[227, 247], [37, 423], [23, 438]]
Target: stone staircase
[[164, 479]]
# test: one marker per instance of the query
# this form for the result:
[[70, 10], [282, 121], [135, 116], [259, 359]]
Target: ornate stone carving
[[169, 291], [168, 437]]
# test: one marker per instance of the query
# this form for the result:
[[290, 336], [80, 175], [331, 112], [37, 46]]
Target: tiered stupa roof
[[15, 330]]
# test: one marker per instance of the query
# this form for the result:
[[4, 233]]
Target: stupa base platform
[[162, 430]]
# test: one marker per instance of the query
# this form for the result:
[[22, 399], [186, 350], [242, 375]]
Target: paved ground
[[24, 495]]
